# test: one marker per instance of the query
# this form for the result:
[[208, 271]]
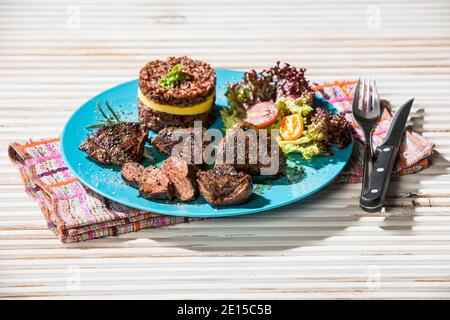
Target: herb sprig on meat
[[112, 118]]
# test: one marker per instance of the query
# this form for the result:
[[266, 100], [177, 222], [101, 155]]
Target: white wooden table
[[55, 55]]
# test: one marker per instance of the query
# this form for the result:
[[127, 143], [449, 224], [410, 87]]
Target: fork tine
[[376, 98], [372, 97], [363, 92], [356, 97], [367, 94]]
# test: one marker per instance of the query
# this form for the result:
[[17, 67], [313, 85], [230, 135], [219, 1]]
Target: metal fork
[[367, 113]]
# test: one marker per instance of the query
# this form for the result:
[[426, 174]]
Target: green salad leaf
[[315, 139], [307, 150], [288, 88], [288, 105], [254, 88], [230, 117], [317, 130]]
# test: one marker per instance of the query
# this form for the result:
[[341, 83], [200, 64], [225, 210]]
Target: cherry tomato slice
[[262, 114], [291, 127]]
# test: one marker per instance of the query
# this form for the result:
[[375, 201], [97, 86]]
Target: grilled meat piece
[[151, 181], [154, 184], [182, 176], [116, 143], [132, 172], [175, 177], [245, 154], [169, 137], [224, 186], [183, 139]]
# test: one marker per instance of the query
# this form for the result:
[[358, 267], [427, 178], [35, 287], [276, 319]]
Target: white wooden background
[[56, 54]]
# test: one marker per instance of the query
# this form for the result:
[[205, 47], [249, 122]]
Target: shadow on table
[[290, 227], [306, 223], [411, 200], [302, 224], [310, 222]]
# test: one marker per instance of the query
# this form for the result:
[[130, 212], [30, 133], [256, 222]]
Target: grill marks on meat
[[169, 137], [154, 184], [151, 181], [224, 186], [241, 143], [183, 139], [116, 143], [131, 173], [174, 178], [182, 175]]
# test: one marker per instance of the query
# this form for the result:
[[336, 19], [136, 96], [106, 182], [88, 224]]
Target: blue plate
[[269, 194]]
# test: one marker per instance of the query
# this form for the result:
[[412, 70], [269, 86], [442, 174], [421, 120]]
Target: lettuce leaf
[[254, 88], [299, 141], [284, 84], [288, 105], [314, 141], [230, 117], [307, 150]]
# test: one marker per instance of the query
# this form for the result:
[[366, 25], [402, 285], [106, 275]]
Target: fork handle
[[367, 160], [373, 197]]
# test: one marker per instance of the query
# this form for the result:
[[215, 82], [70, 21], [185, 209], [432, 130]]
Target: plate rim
[[217, 213]]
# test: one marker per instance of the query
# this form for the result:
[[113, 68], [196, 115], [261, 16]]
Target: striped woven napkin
[[414, 153], [75, 213]]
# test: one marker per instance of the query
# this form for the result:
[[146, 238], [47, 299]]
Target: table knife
[[384, 157]]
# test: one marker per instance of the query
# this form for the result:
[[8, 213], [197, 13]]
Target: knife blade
[[385, 154], [397, 128]]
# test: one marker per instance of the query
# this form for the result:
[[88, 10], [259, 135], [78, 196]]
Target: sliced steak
[[182, 176], [245, 154], [180, 142], [132, 173], [224, 186], [116, 143], [154, 184]]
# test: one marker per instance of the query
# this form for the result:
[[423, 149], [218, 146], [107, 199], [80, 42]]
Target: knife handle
[[373, 196]]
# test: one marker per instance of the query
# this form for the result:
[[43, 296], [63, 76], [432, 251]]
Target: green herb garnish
[[174, 77], [115, 116], [107, 119]]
